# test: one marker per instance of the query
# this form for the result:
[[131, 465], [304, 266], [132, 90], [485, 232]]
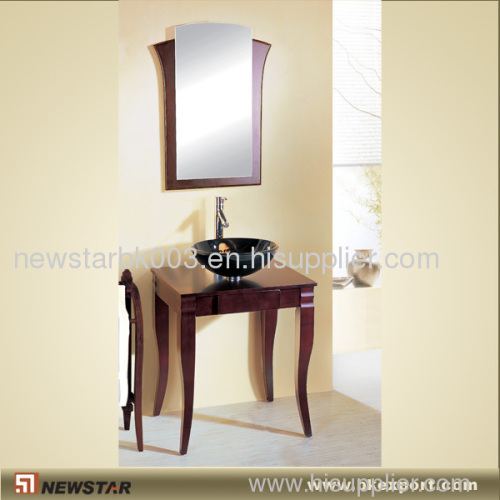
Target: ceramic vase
[[363, 270]]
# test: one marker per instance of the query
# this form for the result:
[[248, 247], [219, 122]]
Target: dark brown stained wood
[[166, 56], [290, 298], [187, 333], [197, 292], [127, 413], [306, 336], [206, 306], [161, 330], [249, 301], [134, 402], [173, 283], [268, 332], [167, 294]]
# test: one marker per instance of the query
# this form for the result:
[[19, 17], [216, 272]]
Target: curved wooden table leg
[[161, 328], [129, 408], [139, 355], [268, 331], [187, 332], [127, 412], [305, 317]]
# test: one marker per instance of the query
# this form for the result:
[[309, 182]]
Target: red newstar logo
[[26, 483]]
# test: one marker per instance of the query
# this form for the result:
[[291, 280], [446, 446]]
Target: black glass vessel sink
[[234, 258]]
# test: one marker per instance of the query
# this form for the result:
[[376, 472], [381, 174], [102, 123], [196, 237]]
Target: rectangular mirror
[[212, 91], [213, 94]]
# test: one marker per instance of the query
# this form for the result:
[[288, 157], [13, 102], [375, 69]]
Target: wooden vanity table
[[198, 292]]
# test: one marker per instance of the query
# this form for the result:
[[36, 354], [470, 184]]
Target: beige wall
[[291, 207], [440, 192], [59, 164], [357, 319], [59, 190]]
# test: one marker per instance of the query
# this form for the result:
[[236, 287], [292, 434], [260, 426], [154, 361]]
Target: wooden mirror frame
[[166, 56]]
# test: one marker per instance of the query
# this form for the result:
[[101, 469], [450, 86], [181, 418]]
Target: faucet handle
[[219, 202], [220, 218]]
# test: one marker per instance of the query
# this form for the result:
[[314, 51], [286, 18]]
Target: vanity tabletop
[[199, 281]]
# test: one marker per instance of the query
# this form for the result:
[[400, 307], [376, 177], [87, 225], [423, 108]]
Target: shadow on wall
[[255, 369]]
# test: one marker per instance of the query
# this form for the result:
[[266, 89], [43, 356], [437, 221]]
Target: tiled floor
[[346, 427], [358, 375], [346, 433]]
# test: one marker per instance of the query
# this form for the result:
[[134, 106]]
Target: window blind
[[357, 82]]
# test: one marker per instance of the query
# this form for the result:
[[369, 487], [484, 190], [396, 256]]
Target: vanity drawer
[[248, 302]]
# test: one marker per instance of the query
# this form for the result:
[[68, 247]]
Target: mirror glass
[[213, 97]]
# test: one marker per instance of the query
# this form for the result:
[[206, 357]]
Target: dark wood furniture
[[134, 400], [197, 292], [166, 56]]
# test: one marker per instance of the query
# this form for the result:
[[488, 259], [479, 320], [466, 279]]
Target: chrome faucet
[[220, 218]]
